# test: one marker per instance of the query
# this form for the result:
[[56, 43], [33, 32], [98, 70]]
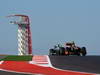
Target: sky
[[52, 22]]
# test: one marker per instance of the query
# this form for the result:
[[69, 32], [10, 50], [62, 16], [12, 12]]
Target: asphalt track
[[90, 64], [12, 73]]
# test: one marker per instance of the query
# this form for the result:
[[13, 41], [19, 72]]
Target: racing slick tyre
[[51, 52], [83, 51]]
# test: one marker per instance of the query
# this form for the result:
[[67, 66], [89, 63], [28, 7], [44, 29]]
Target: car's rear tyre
[[83, 51], [51, 52]]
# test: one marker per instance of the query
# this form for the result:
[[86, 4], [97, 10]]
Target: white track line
[[50, 65], [1, 62]]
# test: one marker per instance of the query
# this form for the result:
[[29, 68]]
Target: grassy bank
[[17, 58]]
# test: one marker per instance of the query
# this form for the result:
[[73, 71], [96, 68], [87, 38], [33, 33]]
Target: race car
[[70, 49]]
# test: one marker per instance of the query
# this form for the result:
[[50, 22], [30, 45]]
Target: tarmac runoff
[[90, 64], [2, 72], [35, 68]]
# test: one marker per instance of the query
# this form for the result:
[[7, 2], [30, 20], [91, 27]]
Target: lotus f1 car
[[70, 49]]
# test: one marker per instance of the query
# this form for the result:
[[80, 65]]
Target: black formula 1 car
[[70, 49]]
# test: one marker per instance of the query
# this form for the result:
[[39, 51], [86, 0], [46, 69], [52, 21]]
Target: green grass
[[17, 58]]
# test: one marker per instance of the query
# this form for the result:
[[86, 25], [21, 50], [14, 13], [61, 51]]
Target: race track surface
[[12, 73], [85, 64], [89, 64]]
